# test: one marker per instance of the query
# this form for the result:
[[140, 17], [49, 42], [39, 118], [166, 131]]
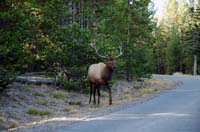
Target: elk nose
[[114, 67]]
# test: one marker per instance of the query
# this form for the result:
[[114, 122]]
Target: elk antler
[[120, 50], [93, 45]]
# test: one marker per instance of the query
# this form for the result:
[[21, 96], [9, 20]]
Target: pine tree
[[173, 25], [192, 36]]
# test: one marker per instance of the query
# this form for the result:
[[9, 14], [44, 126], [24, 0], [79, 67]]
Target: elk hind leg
[[91, 88], [98, 92], [94, 93]]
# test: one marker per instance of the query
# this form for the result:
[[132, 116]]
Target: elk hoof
[[110, 102]]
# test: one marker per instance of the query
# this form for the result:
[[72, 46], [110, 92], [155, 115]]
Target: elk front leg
[[110, 94]]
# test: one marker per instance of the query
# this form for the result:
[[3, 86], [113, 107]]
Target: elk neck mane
[[107, 73]]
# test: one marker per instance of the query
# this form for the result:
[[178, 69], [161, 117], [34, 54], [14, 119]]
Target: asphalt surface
[[176, 110]]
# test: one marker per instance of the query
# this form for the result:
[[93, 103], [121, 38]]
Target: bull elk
[[100, 74]]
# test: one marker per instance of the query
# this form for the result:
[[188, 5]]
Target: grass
[[127, 96], [13, 125], [74, 111], [94, 106], [58, 95], [39, 94], [35, 111], [42, 102], [155, 89], [67, 109], [75, 103], [104, 94], [2, 118]]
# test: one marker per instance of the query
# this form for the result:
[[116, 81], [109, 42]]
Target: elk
[[100, 74]]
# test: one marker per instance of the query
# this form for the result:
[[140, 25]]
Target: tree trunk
[[195, 65]]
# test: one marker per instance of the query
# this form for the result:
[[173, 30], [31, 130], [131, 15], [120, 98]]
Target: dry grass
[[136, 90], [2, 118], [68, 109]]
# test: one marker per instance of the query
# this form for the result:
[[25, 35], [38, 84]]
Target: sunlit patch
[[170, 114], [72, 119], [138, 116], [59, 119], [186, 90], [115, 117]]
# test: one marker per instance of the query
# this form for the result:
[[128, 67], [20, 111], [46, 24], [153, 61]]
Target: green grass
[[42, 102], [13, 125], [75, 103], [104, 94], [35, 111], [58, 95], [39, 94]]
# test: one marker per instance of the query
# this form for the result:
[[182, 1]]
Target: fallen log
[[36, 80]]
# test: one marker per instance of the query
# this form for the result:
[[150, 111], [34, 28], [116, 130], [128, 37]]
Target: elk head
[[110, 60]]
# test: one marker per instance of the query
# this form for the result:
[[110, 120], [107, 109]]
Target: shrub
[[79, 85], [70, 85], [6, 77], [84, 85]]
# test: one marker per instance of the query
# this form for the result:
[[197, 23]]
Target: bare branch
[[120, 50], [93, 45]]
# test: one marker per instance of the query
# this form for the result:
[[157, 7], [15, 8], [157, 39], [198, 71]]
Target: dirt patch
[[26, 105]]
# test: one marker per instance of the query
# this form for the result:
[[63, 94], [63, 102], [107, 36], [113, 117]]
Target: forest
[[55, 36]]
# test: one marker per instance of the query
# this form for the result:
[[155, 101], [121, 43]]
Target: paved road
[[176, 110]]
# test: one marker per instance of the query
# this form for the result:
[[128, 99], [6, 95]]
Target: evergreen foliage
[[51, 36]]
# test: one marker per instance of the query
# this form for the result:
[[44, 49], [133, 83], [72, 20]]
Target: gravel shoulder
[[43, 108]]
